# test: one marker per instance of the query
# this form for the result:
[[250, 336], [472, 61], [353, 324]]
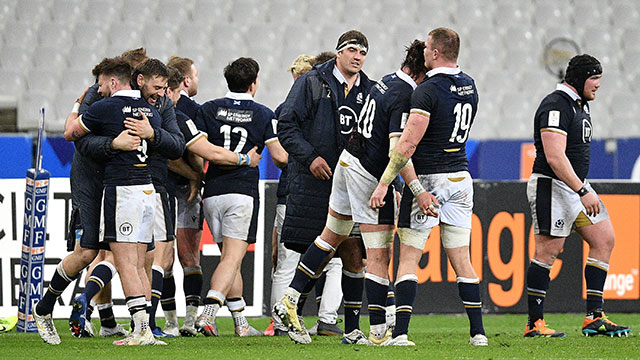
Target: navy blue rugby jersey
[[188, 107], [349, 105], [106, 117], [563, 112], [384, 114], [188, 128], [237, 123], [450, 98]]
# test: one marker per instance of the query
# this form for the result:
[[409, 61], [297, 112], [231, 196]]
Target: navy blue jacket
[[308, 127]]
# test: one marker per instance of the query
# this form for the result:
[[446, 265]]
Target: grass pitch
[[436, 337]]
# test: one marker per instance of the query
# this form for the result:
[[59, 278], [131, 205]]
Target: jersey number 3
[[463, 114]]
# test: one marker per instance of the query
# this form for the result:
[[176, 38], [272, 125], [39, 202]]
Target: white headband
[[352, 42]]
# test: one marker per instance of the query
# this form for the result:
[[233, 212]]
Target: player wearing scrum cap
[[314, 126], [561, 199]]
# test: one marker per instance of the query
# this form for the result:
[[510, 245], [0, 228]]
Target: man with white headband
[[314, 126]]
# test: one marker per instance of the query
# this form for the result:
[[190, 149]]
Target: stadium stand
[[502, 46]]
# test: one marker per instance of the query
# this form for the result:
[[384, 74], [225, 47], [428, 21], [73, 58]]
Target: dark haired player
[[442, 111], [186, 175], [231, 200], [86, 184], [361, 165], [315, 124], [561, 198], [196, 142], [128, 197]]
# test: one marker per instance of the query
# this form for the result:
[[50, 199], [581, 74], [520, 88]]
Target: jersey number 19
[[463, 114]]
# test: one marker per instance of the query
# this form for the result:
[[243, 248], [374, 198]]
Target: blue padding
[[15, 156], [268, 170], [57, 154]]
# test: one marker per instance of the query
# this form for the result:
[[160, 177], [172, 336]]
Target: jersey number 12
[[226, 132]]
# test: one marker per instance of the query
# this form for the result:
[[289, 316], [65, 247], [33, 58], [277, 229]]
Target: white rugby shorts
[[188, 211], [128, 213], [454, 192], [555, 207], [351, 189], [232, 215]]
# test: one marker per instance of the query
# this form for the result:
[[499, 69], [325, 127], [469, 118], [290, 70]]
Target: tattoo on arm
[[76, 135]]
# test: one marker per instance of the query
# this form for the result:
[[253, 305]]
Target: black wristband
[[582, 192]]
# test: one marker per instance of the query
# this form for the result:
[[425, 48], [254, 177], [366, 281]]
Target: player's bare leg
[[130, 260], [221, 283], [188, 245], [469, 291], [162, 261], [546, 250], [601, 239], [377, 240], [351, 253], [311, 264]]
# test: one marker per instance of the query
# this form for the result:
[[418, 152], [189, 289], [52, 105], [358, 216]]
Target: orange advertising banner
[[527, 156], [622, 280]]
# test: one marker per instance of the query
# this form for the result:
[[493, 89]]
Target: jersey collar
[[403, 76], [238, 96], [128, 93], [567, 90], [444, 70], [182, 92], [341, 79]]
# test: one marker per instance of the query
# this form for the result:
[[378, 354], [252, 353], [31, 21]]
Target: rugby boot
[[597, 323], [188, 328], [78, 317], [299, 337], [171, 328], [247, 330], [46, 328], [207, 325], [478, 340], [540, 329], [356, 337], [118, 330], [285, 309], [400, 340]]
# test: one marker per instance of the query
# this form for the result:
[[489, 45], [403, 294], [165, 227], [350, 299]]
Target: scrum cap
[[580, 68]]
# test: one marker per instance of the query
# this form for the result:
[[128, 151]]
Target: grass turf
[[436, 337]]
